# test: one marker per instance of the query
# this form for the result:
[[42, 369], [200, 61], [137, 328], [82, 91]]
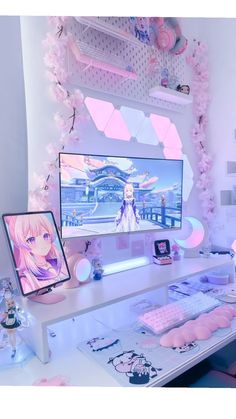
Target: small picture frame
[[162, 247]]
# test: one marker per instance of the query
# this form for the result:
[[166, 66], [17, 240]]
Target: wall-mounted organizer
[[93, 57], [109, 29], [112, 40], [170, 95]]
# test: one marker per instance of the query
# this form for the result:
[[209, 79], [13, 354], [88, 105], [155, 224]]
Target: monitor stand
[[47, 298]]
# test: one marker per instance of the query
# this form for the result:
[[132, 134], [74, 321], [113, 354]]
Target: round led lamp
[[80, 270]]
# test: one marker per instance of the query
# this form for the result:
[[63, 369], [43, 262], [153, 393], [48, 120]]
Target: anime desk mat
[[133, 355]]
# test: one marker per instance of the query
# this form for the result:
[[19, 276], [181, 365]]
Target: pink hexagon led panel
[[172, 153], [116, 127], [160, 125], [233, 246], [100, 111], [172, 139]]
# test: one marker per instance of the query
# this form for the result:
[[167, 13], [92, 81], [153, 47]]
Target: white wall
[[13, 141]]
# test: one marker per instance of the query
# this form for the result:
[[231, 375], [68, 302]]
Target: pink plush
[[211, 324], [188, 334], [166, 340], [201, 332], [178, 339], [225, 312], [221, 320], [54, 381]]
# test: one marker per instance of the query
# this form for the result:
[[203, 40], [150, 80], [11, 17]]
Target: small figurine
[[175, 249], [165, 77], [184, 88], [97, 269], [10, 320]]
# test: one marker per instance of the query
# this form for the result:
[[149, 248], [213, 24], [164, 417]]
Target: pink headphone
[[169, 36]]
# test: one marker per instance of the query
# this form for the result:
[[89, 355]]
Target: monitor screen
[[102, 195], [37, 251]]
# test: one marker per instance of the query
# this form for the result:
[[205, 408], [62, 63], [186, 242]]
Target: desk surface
[[117, 287]]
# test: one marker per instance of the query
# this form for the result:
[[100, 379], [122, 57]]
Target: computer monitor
[[102, 195], [37, 253]]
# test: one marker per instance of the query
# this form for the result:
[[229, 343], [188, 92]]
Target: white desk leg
[[36, 337]]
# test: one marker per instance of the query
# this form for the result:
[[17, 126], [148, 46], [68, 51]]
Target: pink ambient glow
[[116, 127], [233, 246], [196, 236], [172, 153], [160, 125], [100, 111], [172, 139]]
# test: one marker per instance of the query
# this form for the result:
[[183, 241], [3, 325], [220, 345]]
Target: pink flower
[[58, 92], [60, 121]]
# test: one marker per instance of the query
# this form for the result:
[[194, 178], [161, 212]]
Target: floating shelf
[[98, 24], [170, 95], [93, 57]]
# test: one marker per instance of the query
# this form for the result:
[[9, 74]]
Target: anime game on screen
[[104, 194]]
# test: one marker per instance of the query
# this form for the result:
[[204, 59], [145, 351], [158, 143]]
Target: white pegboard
[[136, 57]]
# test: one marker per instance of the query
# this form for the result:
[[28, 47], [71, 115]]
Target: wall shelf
[[170, 95], [98, 24], [93, 57]]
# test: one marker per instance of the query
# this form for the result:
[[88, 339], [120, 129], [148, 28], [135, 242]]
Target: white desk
[[113, 289]]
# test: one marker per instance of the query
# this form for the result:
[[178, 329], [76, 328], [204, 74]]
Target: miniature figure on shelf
[[10, 321], [183, 89], [165, 77], [175, 249], [97, 269]]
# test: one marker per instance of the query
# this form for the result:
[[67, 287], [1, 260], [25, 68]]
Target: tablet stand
[[47, 298]]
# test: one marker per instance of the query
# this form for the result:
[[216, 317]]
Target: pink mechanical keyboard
[[171, 315]]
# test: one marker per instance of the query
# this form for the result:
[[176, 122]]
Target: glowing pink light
[[116, 127], [196, 236], [233, 246], [160, 125], [172, 153], [100, 111], [172, 139]]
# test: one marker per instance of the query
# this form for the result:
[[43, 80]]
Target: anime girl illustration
[[128, 216], [38, 260]]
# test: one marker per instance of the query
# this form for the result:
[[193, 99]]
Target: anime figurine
[[128, 216], [38, 260], [183, 88], [164, 77], [97, 269], [10, 321], [175, 249]]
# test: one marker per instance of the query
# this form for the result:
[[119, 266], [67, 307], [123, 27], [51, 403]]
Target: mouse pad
[[133, 355]]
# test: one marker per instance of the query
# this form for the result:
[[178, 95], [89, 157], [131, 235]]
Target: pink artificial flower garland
[[57, 43], [200, 89]]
